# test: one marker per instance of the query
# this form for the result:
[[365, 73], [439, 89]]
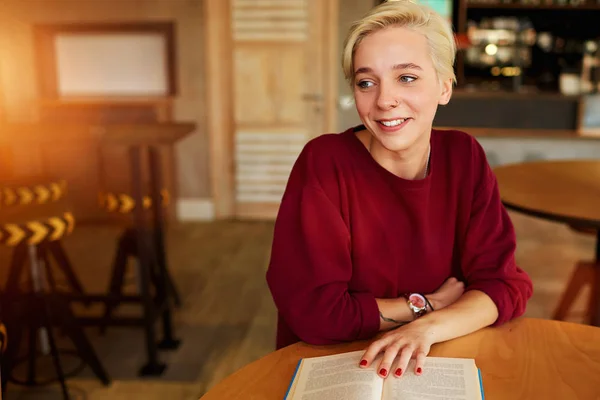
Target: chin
[[396, 142]]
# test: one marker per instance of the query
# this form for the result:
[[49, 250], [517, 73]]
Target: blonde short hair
[[407, 14]]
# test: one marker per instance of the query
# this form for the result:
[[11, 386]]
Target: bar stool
[[35, 192], [124, 204], [585, 273], [30, 230], [139, 204]]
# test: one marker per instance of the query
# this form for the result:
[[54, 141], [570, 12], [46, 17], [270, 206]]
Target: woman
[[393, 226]]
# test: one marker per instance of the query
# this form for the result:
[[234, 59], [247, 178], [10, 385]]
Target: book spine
[[287, 393], [480, 384]]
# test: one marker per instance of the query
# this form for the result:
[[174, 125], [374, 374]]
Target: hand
[[399, 346], [447, 294]]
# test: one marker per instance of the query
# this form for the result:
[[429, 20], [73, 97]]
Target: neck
[[410, 164]]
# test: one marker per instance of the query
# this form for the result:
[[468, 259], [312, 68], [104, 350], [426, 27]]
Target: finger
[[421, 354], [391, 352], [402, 361], [373, 350]]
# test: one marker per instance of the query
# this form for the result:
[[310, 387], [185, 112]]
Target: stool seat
[[35, 224], [124, 203], [31, 191]]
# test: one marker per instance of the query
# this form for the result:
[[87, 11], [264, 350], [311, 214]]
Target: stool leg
[[65, 265], [144, 247], [53, 350], [62, 311], [32, 356], [160, 283], [172, 289], [581, 276], [157, 277], [118, 274], [17, 264], [162, 262], [159, 223], [162, 280], [46, 321], [158, 266], [153, 367], [168, 342], [34, 329], [47, 270], [165, 286], [15, 330]]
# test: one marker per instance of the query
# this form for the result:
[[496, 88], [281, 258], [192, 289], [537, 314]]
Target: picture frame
[[56, 42]]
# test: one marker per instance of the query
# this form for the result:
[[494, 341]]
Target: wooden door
[[284, 68]]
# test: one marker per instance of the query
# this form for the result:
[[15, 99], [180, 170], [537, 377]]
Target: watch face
[[417, 300]]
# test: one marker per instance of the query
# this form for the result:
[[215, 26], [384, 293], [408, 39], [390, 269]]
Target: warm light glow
[[491, 49], [506, 71]]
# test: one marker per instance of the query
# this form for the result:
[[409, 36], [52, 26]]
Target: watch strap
[[428, 303]]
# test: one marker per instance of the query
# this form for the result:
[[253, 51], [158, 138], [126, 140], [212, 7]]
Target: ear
[[446, 92]]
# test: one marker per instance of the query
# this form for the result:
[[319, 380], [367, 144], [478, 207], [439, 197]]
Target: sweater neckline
[[405, 183]]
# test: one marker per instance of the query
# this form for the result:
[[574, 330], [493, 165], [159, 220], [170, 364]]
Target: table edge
[[580, 222], [526, 320]]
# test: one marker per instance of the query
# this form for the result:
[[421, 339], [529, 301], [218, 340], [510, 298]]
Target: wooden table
[[523, 359], [563, 191]]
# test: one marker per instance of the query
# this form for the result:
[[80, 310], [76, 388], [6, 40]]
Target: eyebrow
[[365, 70]]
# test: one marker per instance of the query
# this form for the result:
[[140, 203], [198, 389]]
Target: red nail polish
[[419, 370], [363, 363], [398, 372], [383, 372]]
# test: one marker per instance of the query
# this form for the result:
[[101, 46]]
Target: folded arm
[[311, 266], [497, 290]]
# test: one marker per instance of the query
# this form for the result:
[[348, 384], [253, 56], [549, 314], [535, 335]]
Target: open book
[[339, 377]]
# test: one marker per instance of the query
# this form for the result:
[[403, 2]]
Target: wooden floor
[[228, 319]]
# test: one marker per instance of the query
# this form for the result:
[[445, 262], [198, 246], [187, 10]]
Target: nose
[[388, 98]]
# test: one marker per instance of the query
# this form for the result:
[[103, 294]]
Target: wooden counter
[[504, 113], [521, 133]]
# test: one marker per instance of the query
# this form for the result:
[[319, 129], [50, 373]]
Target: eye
[[407, 78], [364, 84]]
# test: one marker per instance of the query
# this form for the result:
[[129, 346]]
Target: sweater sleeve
[[311, 265], [488, 256]]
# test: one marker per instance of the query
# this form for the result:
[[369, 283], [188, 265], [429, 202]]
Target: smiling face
[[396, 87]]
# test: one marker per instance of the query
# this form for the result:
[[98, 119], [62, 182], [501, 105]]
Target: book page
[[442, 379], [336, 377]]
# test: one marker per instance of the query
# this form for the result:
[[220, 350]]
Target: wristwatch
[[417, 304]]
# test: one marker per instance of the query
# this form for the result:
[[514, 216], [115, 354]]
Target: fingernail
[[419, 370], [398, 372], [363, 363], [383, 372]]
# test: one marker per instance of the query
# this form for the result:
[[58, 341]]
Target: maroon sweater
[[349, 231]]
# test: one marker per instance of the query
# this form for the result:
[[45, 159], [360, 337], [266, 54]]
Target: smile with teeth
[[394, 122]]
